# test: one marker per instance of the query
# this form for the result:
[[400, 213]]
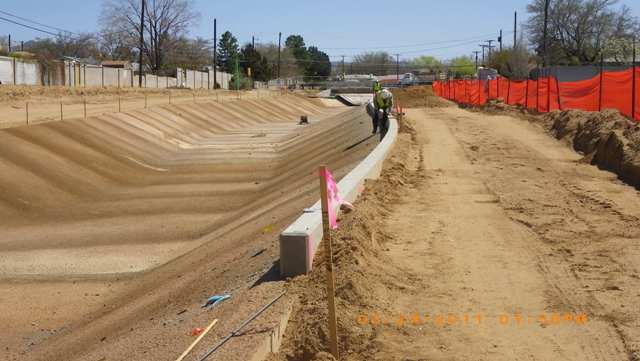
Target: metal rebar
[[237, 330]]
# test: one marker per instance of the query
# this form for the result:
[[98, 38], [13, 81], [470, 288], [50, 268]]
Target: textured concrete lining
[[354, 99], [299, 242]]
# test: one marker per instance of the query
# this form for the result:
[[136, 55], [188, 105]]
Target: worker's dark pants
[[375, 121], [383, 123]]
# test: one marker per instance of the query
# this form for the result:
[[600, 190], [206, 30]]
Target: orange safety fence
[[607, 90]]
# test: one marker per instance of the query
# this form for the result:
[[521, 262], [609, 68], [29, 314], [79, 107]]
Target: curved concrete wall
[[299, 242]]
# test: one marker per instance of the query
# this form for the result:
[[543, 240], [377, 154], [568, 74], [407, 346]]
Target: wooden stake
[[27, 109], [194, 343], [326, 235], [85, 108], [61, 116]]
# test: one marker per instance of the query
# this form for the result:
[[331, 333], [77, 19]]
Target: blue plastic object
[[214, 300]]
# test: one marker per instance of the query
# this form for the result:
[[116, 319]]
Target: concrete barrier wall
[[299, 242], [92, 75], [68, 73], [20, 72]]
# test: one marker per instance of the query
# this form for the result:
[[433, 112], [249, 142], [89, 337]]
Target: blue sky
[[410, 27]]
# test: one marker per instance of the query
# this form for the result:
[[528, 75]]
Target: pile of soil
[[607, 139], [365, 277], [417, 97]]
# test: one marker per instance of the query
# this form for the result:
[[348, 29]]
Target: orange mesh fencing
[[607, 90]]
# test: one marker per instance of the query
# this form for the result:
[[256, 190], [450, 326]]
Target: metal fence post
[[558, 89], [633, 82], [601, 81]]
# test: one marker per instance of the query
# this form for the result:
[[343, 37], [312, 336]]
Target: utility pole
[[483, 46], [237, 74], [500, 39], [544, 36], [253, 41], [21, 45], [398, 67], [215, 52], [9, 43], [515, 29], [279, 47], [476, 52], [490, 46], [141, 45], [343, 65]]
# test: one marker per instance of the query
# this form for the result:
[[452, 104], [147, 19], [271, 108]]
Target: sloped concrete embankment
[[300, 241]]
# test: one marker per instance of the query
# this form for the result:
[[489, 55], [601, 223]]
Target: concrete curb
[[299, 242]]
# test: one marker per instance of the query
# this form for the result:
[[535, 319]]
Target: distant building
[[120, 64]]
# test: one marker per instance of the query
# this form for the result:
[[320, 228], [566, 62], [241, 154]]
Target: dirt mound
[[607, 139], [418, 96], [365, 278]]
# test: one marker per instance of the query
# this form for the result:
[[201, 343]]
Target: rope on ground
[[237, 330]]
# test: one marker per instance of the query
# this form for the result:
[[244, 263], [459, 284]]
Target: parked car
[[408, 79]]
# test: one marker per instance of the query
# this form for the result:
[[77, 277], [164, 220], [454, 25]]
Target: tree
[[426, 63], [227, 51], [289, 66], [252, 59], [375, 62], [117, 46], [513, 63], [299, 49], [462, 66], [4, 45], [189, 53], [578, 29], [81, 46], [319, 65], [165, 20]]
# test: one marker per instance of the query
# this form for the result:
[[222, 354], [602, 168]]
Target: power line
[[410, 45], [28, 26], [35, 22]]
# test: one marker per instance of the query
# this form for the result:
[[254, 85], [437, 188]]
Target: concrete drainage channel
[[300, 241]]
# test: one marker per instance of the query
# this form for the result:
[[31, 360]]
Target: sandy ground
[[23, 105], [487, 239], [118, 227]]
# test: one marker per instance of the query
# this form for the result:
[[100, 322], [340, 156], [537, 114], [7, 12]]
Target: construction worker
[[376, 87], [383, 102], [372, 110]]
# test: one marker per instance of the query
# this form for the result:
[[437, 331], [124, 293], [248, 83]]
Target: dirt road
[[503, 245]]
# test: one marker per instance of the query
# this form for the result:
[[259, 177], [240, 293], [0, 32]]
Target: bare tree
[[578, 30], [189, 53], [165, 21], [289, 66], [374, 62]]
